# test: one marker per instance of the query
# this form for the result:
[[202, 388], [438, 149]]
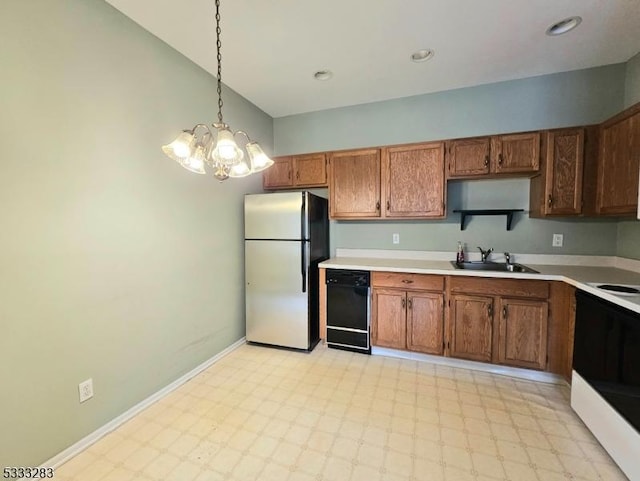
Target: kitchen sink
[[493, 266]]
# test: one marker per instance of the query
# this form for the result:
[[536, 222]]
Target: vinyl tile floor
[[268, 414]]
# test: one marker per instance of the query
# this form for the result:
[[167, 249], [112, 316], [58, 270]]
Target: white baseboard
[[516, 372], [90, 439]]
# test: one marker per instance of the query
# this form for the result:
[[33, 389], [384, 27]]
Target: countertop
[[578, 276]]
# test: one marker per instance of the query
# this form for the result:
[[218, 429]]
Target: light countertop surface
[[579, 276]]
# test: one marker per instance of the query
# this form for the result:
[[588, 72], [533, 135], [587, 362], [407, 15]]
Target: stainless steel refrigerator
[[286, 236]]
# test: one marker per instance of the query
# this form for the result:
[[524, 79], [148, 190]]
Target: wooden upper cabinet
[[468, 157], [522, 338], [516, 153], [413, 180], [618, 163], [499, 154], [471, 327], [279, 175], [354, 184], [296, 171], [557, 191], [310, 170], [425, 322]]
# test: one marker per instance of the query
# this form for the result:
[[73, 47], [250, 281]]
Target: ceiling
[[271, 49]]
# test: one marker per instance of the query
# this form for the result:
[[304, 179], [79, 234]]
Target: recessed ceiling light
[[422, 55], [564, 26], [323, 75]]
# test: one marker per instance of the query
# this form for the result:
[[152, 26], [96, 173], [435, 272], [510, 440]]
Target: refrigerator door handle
[[303, 264], [303, 218]]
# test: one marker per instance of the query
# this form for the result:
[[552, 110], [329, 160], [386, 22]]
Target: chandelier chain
[[218, 47]]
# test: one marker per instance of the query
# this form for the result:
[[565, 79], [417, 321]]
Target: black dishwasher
[[348, 310]]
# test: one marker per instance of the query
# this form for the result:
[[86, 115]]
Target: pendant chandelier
[[215, 147]]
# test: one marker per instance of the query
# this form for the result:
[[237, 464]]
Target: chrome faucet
[[485, 253], [507, 257]]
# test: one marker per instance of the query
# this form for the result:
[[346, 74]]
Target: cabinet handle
[[486, 160], [407, 281], [490, 310], [289, 175], [298, 175], [410, 303], [500, 159], [388, 205], [378, 205], [504, 312], [404, 303], [550, 201]]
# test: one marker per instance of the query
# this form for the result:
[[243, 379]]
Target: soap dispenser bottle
[[460, 255]]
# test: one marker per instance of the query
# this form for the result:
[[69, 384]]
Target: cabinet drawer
[[407, 281], [499, 287]]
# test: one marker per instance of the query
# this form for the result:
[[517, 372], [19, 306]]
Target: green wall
[[629, 231], [632, 81], [116, 263], [565, 99]]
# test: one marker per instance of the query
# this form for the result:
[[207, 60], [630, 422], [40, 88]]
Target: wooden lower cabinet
[[404, 318], [503, 321], [522, 333], [389, 328], [514, 322], [425, 316], [471, 320], [408, 320]]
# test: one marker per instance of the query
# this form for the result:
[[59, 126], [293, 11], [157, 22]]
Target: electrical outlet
[[396, 238], [558, 240], [85, 389]]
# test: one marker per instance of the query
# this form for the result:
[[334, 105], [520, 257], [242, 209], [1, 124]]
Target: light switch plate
[[396, 238]]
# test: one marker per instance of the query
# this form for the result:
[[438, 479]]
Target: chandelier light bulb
[[241, 169], [195, 163], [226, 150], [181, 147], [259, 160]]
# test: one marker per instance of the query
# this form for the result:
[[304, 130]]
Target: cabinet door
[[414, 181], [389, 326], [425, 321], [468, 157], [310, 170], [471, 327], [618, 166], [564, 161], [354, 184], [515, 153], [522, 339], [279, 175]]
